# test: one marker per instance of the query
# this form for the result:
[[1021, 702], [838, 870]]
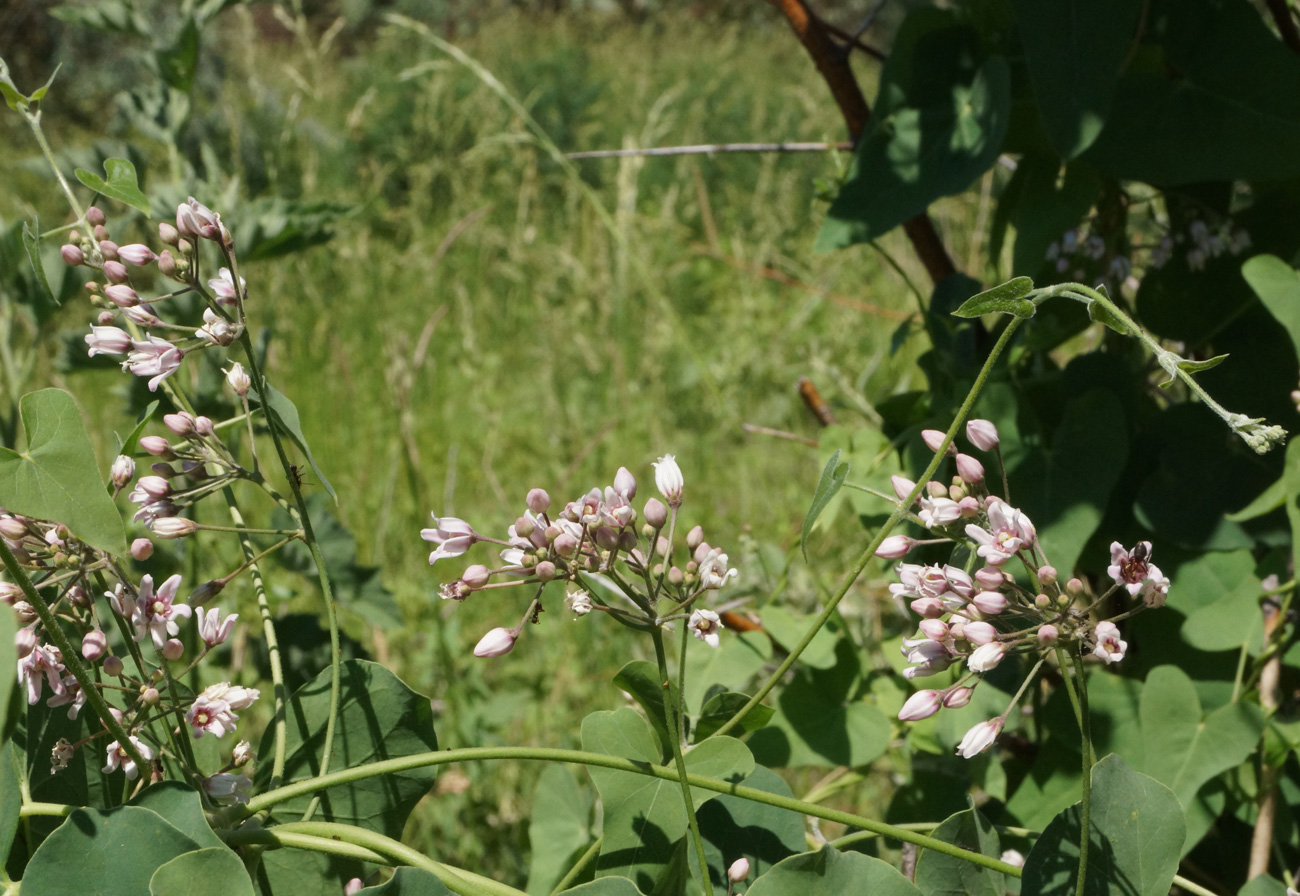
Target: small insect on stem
[[295, 473]]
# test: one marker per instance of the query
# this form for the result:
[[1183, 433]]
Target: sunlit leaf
[[121, 184]]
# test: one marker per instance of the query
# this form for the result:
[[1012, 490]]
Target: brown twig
[[702, 149], [837, 73], [778, 434], [1281, 12]]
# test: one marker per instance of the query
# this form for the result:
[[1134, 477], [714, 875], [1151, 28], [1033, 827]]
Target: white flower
[[938, 511], [224, 787], [986, 656], [212, 628], [713, 570], [1135, 571], [979, 738], [579, 602], [156, 614], [669, 481], [118, 756], [1009, 531], [497, 642], [1109, 649], [452, 536], [704, 624], [921, 705]]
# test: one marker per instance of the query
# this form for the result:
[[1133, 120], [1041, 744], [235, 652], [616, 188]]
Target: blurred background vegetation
[[460, 318]]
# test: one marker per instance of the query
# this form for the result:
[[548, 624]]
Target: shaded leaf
[[121, 847], [32, 245], [1103, 315], [559, 827], [178, 61], [1009, 298], [409, 882], [833, 476], [121, 184], [829, 872], [1074, 50], [1220, 593], [57, 478], [11, 795], [939, 122], [787, 628], [641, 679], [215, 871], [733, 827], [182, 808], [605, 886], [939, 873], [721, 707], [1266, 502], [1278, 286]]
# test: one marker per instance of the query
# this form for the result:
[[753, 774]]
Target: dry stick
[[837, 73], [1261, 841], [702, 149]]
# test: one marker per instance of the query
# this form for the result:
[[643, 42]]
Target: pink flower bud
[[1047, 575], [936, 489], [895, 547], [986, 657], [538, 501], [476, 576], [497, 642], [173, 649], [167, 263], [982, 434], [1048, 634], [156, 445], [956, 698], [979, 738], [990, 578], [25, 641], [902, 486], [968, 507], [990, 603], [695, 538], [625, 483], [122, 295], [94, 645], [167, 234], [238, 379], [920, 705], [979, 632], [150, 696], [122, 471], [655, 513], [934, 629], [566, 544], [72, 255], [546, 571], [204, 426], [136, 254], [173, 527], [934, 440], [95, 216], [928, 607], [739, 870], [142, 549], [181, 423], [115, 272], [969, 469]]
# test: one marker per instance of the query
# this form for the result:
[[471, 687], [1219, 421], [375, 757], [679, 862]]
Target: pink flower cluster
[[975, 620], [595, 537]]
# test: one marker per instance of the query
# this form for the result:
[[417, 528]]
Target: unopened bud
[[167, 263], [545, 570], [936, 489], [122, 471], [1042, 601], [934, 441], [497, 642], [94, 645], [25, 642], [625, 483], [982, 434], [739, 870], [150, 696], [142, 549], [566, 544], [695, 538], [655, 513], [969, 469], [95, 216], [538, 501], [115, 272], [242, 755], [675, 576], [895, 547], [181, 423], [1047, 634], [205, 592], [238, 379], [902, 486], [167, 234], [477, 576], [1074, 587], [524, 527], [113, 666], [72, 255], [136, 254], [173, 527], [607, 538], [204, 426], [921, 705], [173, 649]]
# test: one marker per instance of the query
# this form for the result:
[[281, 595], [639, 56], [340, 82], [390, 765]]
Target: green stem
[[899, 513], [71, 657], [301, 517], [279, 723], [369, 846], [675, 741], [583, 861], [264, 801], [34, 120], [1079, 701]]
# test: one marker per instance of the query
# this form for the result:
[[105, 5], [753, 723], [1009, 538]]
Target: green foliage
[[120, 185], [56, 476], [409, 882], [559, 828], [828, 872], [1136, 831], [215, 871], [833, 476], [938, 872]]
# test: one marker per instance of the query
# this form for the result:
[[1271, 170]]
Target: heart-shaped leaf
[[121, 185], [56, 478], [1008, 298]]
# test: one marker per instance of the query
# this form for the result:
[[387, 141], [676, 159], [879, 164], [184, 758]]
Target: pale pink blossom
[[1009, 532], [223, 286], [982, 434], [497, 642], [705, 625], [938, 511], [986, 656], [43, 664], [212, 628], [153, 357], [193, 218], [979, 738], [713, 571], [1109, 649], [119, 757], [107, 341], [921, 705], [1135, 571], [669, 480], [155, 614], [452, 536]]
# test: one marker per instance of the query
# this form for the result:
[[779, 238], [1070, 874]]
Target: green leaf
[[787, 628], [11, 795], [1266, 502], [39, 93], [121, 848], [1220, 593], [1009, 298], [559, 827], [733, 827], [409, 882], [57, 478], [182, 808], [1041, 204], [721, 707], [1103, 315], [285, 416], [1199, 101], [131, 443], [8, 684], [215, 871], [641, 679], [1198, 366], [1184, 749], [938, 872], [1065, 490], [1278, 286], [178, 61], [1137, 832], [32, 245], [1074, 51], [833, 476], [14, 98], [379, 718], [940, 118], [301, 872], [828, 872], [121, 184], [605, 886], [644, 817], [730, 667], [109, 16]]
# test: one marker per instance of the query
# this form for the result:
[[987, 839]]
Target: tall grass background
[[486, 320]]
